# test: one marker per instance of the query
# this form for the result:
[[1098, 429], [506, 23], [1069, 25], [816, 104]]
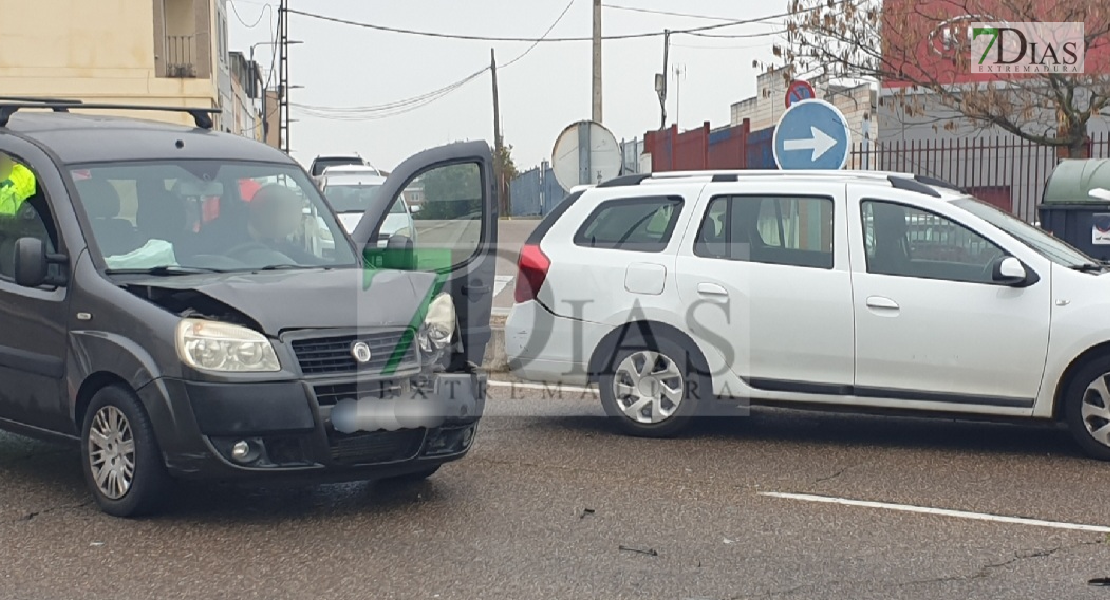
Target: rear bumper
[[544, 347], [295, 431]]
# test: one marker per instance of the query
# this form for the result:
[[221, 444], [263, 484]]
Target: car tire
[[415, 476], [1087, 408], [675, 369], [117, 438]]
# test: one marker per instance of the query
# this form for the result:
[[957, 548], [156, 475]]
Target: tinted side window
[[641, 224], [24, 213], [776, 230], [910, 242]]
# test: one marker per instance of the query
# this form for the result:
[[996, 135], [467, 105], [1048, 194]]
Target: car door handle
[[880, 302], [477, 290], [712, 289]]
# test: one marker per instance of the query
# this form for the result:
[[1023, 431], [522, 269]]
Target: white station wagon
[[835, 289]]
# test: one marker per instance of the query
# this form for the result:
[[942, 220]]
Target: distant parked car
[[324, 161], [349, 191]]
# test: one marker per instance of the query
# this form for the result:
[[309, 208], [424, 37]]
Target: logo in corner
[[361, 352]]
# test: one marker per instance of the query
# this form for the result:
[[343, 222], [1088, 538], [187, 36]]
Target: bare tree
[[926, 46]]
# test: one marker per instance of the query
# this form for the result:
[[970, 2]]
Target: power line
[[483, 38], [542, 37], [266, 8], [727, 47], [390, 109], [663, 12], [400, 107]]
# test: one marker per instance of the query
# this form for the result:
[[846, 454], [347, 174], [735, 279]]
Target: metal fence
[[1008, 172], [535, 192]]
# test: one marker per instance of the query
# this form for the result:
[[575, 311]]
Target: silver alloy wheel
[[648, 387], [112, 452], [1096, 410]]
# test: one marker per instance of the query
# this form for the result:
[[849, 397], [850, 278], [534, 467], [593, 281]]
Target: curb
[[495, 360]]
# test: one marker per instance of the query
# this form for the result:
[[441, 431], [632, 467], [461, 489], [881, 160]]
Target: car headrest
[[100, 198], [161, 215]]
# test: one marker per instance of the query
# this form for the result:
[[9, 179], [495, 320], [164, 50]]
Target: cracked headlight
[[439, 325], [224, 347]]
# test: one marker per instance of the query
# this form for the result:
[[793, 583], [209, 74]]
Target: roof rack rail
[[912, 185], [202, 117], [940, 183], [40, 99]]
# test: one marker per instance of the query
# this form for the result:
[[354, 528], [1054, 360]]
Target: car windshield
[[177, 216], [355, 197], [1044, 244]]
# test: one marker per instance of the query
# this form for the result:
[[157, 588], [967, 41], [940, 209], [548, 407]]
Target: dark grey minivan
[[184, 303]]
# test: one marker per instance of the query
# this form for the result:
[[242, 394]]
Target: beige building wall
[[108, 51], [272, 116]]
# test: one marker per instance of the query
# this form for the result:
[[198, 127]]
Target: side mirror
[[400, 253], [31, 264], [414, 209], [1010, 271]]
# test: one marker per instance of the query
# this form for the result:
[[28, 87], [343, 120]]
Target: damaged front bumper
[[318, 430]]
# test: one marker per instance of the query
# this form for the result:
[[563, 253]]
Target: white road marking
[[499, 283], [518, 385], [944, 512]]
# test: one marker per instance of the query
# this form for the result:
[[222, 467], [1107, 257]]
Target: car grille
[[330, 395], [376, 446], [332, 355]]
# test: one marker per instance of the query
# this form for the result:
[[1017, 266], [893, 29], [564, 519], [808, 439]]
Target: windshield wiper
[[1089, 267], [280, 267], [166, 271]]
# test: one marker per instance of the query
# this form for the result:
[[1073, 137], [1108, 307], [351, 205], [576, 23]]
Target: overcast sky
[[346, 66]]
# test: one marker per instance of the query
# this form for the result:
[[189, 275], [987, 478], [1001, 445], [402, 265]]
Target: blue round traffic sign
[[797, 91], [812, 134]]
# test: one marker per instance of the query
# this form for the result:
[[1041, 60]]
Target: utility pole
[[498, 142], [597, 61], [679, 71], [283, 81], [661, 81]]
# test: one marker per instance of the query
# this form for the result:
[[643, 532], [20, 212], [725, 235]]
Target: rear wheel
[[122, 462], [1087, 408], [654, 387]]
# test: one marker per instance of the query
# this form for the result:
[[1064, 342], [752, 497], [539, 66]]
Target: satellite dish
[[586, 153]]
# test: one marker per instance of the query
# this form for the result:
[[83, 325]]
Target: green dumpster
[[1072, 212]]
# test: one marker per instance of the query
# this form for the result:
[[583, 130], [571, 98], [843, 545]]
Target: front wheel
[[1087, 408], [122, 462], [654, 388]]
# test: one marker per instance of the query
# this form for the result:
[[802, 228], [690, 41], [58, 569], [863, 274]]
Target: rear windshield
[[322, 163], [356, 197]]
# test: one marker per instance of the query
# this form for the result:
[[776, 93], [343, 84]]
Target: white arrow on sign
[[819, 143]]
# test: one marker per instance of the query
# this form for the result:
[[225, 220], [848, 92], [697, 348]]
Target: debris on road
[[647, 552]]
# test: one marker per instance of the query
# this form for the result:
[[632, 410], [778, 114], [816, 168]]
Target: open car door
[[451, 232]]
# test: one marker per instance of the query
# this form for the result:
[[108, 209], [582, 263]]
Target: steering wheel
[[238, 249]]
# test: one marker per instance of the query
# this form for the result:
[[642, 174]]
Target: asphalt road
[[676, 519]]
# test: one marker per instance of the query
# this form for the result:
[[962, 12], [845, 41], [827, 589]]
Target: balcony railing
[[181, 56]]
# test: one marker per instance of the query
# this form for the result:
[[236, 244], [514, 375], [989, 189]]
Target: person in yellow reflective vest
[[17, 183]]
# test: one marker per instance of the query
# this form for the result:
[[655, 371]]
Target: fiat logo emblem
[[361, 352]]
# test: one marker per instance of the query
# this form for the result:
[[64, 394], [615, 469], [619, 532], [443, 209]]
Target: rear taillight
[[532, 270]]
